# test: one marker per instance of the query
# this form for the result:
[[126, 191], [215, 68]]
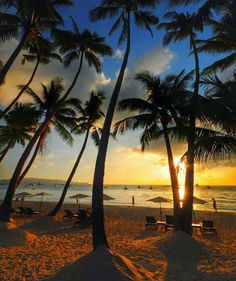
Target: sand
[[135, 252]]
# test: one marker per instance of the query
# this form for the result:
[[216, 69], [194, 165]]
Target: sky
[[125, 164]]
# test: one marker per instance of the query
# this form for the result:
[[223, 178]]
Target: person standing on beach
[[133, 202], [214, 204]]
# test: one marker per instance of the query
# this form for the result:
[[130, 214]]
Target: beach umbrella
[[160, 200], [78, 197], [197, 201], [107, 197], [22, 195], [42, 194]]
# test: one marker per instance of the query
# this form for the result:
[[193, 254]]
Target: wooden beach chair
[[169, 222], [69, 214], [150, 222], [84, 218], [31, 212], [21, 211], [208, 227]]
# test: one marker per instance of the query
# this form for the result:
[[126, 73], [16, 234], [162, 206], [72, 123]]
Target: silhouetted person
[[133, 201], [214, 204]]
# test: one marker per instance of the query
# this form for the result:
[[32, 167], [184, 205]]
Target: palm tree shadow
[[183, 256]]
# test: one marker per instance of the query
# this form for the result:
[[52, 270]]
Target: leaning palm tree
[[156, 114], [186, 26], [40, 51], [30, 19], [95, 46], [87, 123], [62, 121], [62, 111], [123, 11], [18, 127]]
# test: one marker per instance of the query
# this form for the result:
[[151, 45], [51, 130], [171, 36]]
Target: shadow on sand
[[183, 255]]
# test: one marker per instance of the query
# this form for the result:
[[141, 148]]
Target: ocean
[[225, 196]]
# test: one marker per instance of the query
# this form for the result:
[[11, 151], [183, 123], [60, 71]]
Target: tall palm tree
[[156, 114], [87, 123], [62, 121], [28, 18], [124, 11], [223, 41], [40, 51], [186, 26], [62, 112], [96, 47], [18, 127]]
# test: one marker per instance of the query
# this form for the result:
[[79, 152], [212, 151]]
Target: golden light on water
[[181, 179]]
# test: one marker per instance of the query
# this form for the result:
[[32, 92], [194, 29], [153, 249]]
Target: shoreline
[[61, 243]]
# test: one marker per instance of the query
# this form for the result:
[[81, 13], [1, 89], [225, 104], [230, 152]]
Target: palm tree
[[18, 128], [62, 121], [87, 123], [28, 18], [95, 46], [62, 114], [180, 27], [40, 51], [223, 40], [156, 114], [123, 11], [224, 96]]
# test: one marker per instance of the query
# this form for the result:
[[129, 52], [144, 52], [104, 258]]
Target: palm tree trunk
[[174, 180], [68, 182], [186, 220], [24, 173], [99, 235], [6, 205], [4, 152], [10, 61], [9, 107]]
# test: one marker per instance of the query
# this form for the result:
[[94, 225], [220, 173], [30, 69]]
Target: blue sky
[[123, 157]]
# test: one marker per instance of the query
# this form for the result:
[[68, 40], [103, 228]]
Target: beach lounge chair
[[169, 222], [69, 214], [208, 227], [21, 211], [30, 212], [150, 222], [83, 218]]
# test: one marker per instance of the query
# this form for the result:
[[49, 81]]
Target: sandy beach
[[60, 243]]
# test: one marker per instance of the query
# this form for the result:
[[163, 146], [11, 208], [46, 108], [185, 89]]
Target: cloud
[[157, 60], [88, 80], [119, 54]]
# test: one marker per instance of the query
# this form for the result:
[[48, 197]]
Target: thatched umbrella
[[22, 196], [78, 197], [160, 200], [107, 197], [42, 194]]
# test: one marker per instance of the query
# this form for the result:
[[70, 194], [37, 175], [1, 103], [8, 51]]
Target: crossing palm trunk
[[12, 58], [9, 107], [186, 217], [99, 235], [6, 205], [174, 180], [36, 151], [4, 152], [55, 211]]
